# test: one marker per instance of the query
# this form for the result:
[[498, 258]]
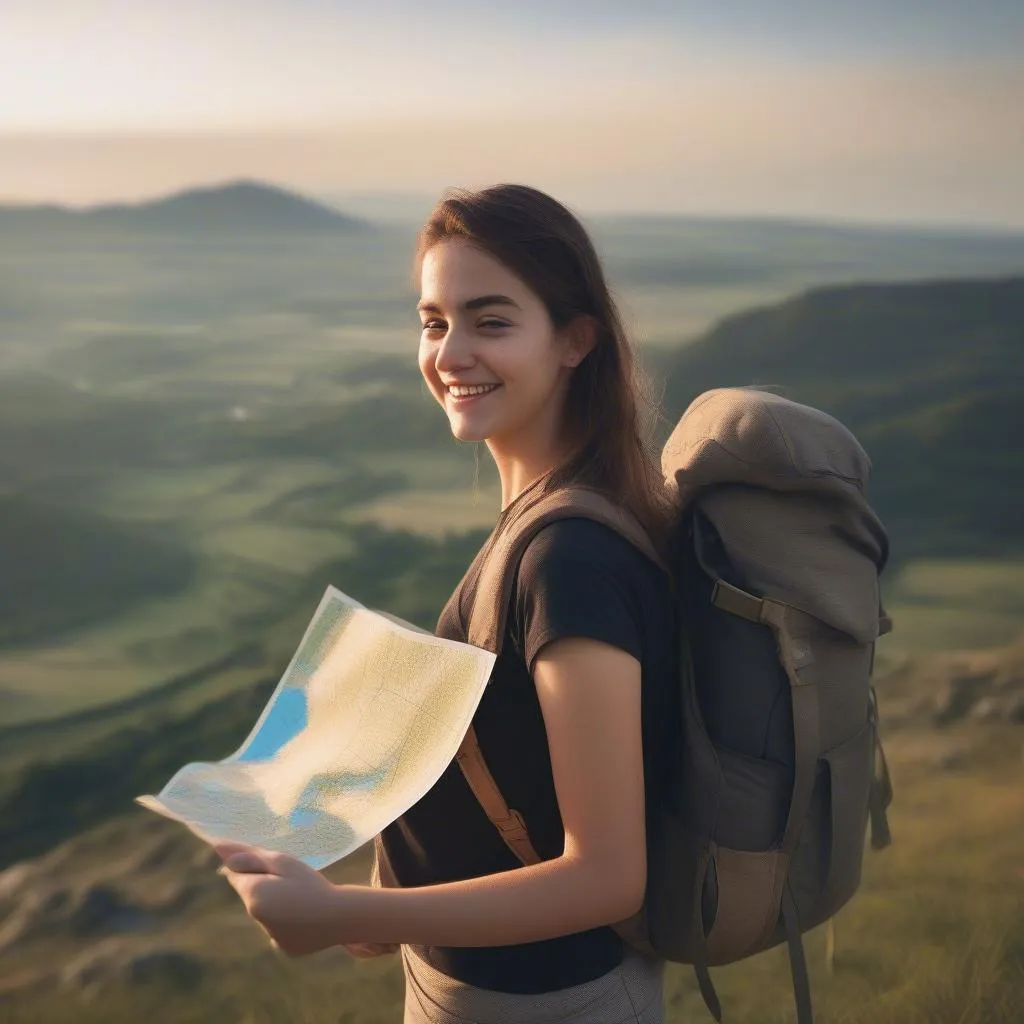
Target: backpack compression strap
[[489, 615]]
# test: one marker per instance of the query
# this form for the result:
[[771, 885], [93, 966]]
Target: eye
[[494, 323], [433, 325]]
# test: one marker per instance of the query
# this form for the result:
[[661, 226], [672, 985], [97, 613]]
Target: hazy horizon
[[409, 207], [902, 116]]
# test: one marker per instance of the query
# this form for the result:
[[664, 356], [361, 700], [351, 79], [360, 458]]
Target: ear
[[580, 338]]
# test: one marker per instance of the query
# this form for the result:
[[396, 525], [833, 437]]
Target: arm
[[589, 693], [580, 614]]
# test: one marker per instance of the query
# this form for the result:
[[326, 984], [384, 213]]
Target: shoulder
[[584, 545], [581, 564], [581, 578]]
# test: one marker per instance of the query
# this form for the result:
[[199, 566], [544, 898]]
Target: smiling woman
[[523, 348]]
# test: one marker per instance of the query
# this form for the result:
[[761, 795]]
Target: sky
[[901, 111]]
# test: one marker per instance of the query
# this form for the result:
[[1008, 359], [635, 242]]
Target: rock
[[943, 687]]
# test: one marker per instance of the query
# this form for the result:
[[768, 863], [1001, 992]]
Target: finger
[[255, 858], [278, 863], [228, 849], [246, 863]]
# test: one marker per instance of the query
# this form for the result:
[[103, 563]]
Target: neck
[[518, 468]]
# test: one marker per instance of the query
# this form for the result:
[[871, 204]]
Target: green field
[[946, 604]]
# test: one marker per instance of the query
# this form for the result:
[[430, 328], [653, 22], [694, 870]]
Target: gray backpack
[[776, 764]]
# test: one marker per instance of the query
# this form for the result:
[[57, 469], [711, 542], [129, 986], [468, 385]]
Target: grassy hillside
[[128, 921]]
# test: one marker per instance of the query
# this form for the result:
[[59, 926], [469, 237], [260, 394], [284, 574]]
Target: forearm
[[539, 901]]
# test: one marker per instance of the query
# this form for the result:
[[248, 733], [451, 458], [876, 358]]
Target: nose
[[454, 352]]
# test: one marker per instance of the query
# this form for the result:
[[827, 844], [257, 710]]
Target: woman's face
[[482, 325]]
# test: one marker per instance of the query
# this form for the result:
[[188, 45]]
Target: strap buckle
[[511, 825]]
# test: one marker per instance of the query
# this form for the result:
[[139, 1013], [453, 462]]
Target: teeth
[[475, 389]]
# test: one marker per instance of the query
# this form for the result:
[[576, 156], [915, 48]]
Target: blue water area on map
[[304, 816], [286, 718]]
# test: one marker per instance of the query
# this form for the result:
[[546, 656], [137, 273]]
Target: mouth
[[460, 397]]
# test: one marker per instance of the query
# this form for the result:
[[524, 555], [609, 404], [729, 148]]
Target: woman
[[523, 348]]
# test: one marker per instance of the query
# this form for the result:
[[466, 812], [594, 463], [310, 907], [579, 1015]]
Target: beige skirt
[[632, 993]]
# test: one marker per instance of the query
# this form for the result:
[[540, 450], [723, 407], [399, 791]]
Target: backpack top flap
[[490, 606], [784, 486]]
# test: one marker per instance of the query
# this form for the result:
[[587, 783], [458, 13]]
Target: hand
[[293, 903]]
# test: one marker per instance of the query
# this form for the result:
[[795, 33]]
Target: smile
[[464, 395]]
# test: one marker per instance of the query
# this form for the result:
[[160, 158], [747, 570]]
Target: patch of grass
[[433, 513], [946, 604]]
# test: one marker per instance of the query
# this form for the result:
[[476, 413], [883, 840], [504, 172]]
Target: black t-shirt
[[577, 578]]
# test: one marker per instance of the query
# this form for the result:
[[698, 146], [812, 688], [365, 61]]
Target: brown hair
[[543, 243]]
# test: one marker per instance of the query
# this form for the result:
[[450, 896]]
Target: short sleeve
[[579, 578]]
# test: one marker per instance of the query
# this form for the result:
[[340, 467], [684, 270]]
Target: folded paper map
[[367, 716]]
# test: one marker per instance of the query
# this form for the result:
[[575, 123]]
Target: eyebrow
[[470, 304]]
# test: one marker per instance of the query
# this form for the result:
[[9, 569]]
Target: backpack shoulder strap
[[489, 614]]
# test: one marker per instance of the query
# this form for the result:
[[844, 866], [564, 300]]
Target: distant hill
[[241, 206], [930, 376]]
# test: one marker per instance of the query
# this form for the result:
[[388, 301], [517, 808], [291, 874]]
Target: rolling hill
[[929, 375], [240, 206]]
